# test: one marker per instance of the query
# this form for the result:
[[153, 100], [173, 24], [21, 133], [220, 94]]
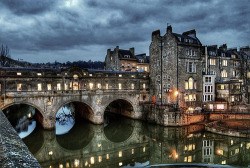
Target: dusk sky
[[72, 30]]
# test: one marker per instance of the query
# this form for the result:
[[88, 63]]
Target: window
[[224, 74], [248, 75], [120, 86], [232, 56], [132, 86], [232, 98], [48, 86], [190, 83], [190, 67], [224, 63], [223, 54], [19, 87], [0, 87], [158, 62], [39, 74], [186, 85], [75, 76], [220, 106], [58, 86], [120, 75], [111, 58], [90, 75], [75, 85], [146, 68], [99, 85], [222, 87], [212, 61], [65, 86], [234, 73], [190, 97], [208, 79], [18, 73], [39, 86], [91, 86], [106, 86], [144, 86]]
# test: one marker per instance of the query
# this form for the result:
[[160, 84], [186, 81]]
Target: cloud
[[91, 26]]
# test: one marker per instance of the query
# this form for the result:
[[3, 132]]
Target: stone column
[[49, 122]]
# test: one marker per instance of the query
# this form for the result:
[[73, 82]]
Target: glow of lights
[[86, 163], [76, 162], [99, 145], [60, 165], [91, 86], [92, 160], [50, 167], [107, 156], [67, 165], [49, 103], [120, 163], [50, 153], [176, 156], [29, 115], [176, 93], [144, 149], [120, 154], [100, 158], [19, 73], [132, 151], [190, 135], [241, 145], [154, 139], [220, 152]]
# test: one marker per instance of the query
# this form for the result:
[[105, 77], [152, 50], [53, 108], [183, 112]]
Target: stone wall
[[13, 152]]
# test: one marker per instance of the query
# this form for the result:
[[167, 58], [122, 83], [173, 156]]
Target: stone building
[[126, 60], [229, 68], [176, 69]]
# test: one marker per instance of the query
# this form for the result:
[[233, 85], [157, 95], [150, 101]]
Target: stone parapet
[[13, 151]]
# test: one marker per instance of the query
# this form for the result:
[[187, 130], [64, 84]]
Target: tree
[[4, 56]]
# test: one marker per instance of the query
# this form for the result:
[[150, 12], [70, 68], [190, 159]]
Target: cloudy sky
[[72, 30]]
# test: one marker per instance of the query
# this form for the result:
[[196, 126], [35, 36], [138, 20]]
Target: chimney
[[223, 47], [132, 50], [117, 49], [169, 29], [108, 51]]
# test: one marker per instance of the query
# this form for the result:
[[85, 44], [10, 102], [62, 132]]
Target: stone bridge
[[91, 90]]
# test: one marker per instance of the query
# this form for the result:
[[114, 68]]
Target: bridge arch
[[85, 110], [121, 106]]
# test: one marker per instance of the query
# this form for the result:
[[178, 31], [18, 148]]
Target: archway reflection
[[23, 118]]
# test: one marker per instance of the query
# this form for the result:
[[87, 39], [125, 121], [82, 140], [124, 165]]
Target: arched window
[[190, 83]]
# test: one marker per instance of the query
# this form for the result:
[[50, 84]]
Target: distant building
[[126, 60]]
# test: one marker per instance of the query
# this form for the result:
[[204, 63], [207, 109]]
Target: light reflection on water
[[131, 143]]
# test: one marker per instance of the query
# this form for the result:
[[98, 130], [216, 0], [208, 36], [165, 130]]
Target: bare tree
[[4, 56]]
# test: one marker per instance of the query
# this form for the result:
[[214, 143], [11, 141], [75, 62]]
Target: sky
[[70, 30]]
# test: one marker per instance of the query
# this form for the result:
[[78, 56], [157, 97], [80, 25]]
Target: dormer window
[[223, 54], [141, 60], [232, 56], [126, 56]]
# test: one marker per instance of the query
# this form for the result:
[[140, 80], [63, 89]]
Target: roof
[[186, 39], [124, 53], [142, 57], [30, 69]]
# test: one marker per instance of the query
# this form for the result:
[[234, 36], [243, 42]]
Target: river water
[[122, 142]]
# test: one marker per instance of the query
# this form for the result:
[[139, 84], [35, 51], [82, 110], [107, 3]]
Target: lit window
[[106, 86], [234, 73], [39, 74], [91, 86], [132, 86], [75, 85], [66, 86], [248, 75], [190, 83], [90, 75], [189, 158], [120, 86], [232, 56], [76, 162], [0, 87], [111, 58], [220, 106], [58, 86], [132, 151], [19, 73], [144, 149], [39, 86], [75, 76], [120, 163], [19, 87], [222, 87], [146, 68], [232, 98], [224, 63], [60, 165], [186, 85], [185, 159], [84, 73], [223, 162], [224, 74], [92, 160], [100, 158], [48, 86], [107, 156], [99, 86], [120, 75], [144, 86], [120, 154], [212, 61]]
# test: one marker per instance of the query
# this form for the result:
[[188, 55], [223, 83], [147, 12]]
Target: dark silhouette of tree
[[4, 56]]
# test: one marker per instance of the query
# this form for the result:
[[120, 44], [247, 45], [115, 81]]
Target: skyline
[[72, 30]]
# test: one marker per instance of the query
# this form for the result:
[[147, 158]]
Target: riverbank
[[237, 128]]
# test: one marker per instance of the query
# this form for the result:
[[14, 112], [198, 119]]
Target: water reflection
[[122, 142], [65, 119], [22, 118]]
